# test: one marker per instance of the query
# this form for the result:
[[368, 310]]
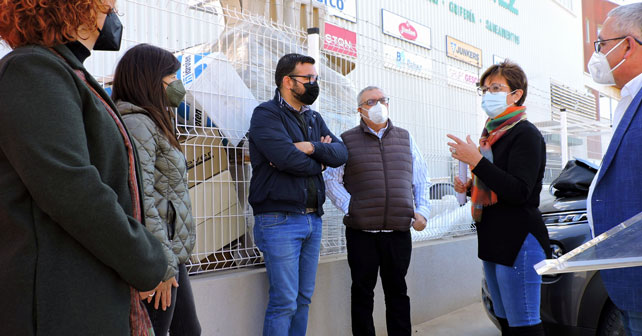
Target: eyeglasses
[[373, 102], [493, 88], [311, 78], [598, 44]]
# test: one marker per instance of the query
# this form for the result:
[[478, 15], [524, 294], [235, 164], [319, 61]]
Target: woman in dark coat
[[73, 250], [507, 173]]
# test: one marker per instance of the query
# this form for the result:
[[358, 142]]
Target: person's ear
[[631, 46], [517, 95]]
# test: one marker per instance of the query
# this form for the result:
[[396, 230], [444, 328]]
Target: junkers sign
[[463, 52], [404, 29]]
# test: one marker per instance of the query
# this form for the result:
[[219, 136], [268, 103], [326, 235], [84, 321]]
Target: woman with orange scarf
[[507, 170]]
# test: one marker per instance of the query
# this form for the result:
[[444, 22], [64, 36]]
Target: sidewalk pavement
[[468, 321]]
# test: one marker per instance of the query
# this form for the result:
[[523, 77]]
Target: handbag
[[575, 179]]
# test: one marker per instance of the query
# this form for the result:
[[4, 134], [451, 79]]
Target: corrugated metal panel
[[580, 106]]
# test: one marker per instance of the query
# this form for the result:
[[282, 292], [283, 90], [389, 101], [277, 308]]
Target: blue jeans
[[632, 322], [516, 290], [290, 243]]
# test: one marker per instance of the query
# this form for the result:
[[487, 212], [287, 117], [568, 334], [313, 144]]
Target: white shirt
[[420, 183], [628, 92]]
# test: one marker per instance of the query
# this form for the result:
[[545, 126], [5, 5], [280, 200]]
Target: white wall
[[550, 47], [550, 38], [444, 276]]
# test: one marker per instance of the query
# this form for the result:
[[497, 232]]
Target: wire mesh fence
[[227, 66]]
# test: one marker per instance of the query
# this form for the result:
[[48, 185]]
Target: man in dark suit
[[615, 193]]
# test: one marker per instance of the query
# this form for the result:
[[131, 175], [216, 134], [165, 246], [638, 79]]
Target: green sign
[[503, 32], [509, 5], [458, 10]]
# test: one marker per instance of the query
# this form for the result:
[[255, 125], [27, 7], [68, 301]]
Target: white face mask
[[378, 114], [494, 103], [600, 69]]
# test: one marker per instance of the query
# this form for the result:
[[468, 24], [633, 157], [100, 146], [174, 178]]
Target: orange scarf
[[481, 195]]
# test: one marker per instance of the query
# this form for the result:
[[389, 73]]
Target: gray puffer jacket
[[168, 209]]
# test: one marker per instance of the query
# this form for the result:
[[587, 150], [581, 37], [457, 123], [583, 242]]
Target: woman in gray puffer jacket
[[146, 90]]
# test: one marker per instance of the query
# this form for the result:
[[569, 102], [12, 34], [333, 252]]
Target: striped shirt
[[336, 191]]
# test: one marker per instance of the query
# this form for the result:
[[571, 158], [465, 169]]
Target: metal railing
[[228, 60]]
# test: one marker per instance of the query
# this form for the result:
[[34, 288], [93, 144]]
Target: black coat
[[280, 171], [515, 175], [69, 246]]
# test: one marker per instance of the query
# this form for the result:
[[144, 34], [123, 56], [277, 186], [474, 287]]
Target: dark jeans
[[387, 253], [180, 318]]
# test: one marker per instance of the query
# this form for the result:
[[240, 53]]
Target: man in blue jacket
[[615, 193], [290, 146]]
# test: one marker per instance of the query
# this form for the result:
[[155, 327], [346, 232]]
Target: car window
[[439, 190]]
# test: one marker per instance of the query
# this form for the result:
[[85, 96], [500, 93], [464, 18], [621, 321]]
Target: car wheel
[[611, 321]]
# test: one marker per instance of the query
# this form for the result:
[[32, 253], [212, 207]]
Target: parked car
[[440, 189], [571, 303]]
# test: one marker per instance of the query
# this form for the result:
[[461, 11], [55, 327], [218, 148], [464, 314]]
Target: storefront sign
[[404, 61], [503, 32], [462, 79], [465, 13], [509, 5], [463, 52], [498, 59], [340, 40], [404, 29], [345, 9]]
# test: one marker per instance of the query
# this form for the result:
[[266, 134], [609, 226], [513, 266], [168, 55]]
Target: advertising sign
[[345, 9], [463, 52], [404, 61], [404, 29], [462, 79], [498, 59], [340, 40], [211, 102]]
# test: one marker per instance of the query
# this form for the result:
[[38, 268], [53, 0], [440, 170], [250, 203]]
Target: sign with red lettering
[[462, 78], [340, 40], [405, 29], [408, 31]]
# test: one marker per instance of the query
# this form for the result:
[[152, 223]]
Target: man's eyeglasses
[[600, 43], [493, 88], [311, 78], [373, 102]]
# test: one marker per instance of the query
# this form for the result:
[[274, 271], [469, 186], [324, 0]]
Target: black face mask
[[310, 95], [111, 34]]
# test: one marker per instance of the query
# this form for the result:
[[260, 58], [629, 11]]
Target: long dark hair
[[139, 80]]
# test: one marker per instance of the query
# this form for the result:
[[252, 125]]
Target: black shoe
[[532, 330], [503, 326]]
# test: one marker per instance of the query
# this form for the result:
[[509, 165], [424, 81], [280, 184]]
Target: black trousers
[[386, 253], [180, 317]]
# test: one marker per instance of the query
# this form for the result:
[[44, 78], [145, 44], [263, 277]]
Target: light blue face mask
[[494, 103]]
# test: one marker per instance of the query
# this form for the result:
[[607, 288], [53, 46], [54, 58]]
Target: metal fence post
[[313, 51]]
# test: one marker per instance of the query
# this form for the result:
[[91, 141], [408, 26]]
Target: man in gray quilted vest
[[383, 191]]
